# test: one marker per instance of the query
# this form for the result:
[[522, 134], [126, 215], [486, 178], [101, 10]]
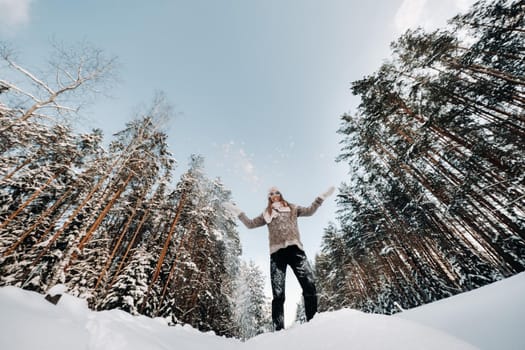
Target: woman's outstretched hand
[[328, 193], [232, 208]]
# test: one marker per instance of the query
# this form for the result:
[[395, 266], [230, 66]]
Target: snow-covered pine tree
[[224, 229], [44, 151], [331, 271], [436, 201], [205, 255], [173, 270], [130, 288], [251, 311], [144, 152], [300, 316], [67, 228], [105, 222], [30, 143]]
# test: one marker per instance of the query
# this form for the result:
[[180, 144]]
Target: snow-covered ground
[[488, 318]]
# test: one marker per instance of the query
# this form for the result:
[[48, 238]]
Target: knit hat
[[272, 190]]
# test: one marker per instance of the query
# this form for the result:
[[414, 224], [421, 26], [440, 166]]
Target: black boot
[[310, 306]]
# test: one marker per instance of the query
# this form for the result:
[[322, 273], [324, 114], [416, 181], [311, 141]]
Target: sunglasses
[[271, 194]]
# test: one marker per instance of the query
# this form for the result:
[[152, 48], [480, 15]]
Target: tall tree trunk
[[128, 249], [100, 218], [41, 218], [123, 232], [164, 249], [29, 200]]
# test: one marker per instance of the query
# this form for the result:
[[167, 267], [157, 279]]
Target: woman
[[285, 249]]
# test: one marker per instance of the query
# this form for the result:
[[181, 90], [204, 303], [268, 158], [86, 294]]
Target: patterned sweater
[[283, 230]]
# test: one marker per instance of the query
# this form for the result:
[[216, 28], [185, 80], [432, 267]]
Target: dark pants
[[297, 260]]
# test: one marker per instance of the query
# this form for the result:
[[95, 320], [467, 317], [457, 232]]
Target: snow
[[487, 318], [490, 317], [57, 289]]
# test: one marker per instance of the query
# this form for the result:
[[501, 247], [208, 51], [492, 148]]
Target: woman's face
[[275, 196]]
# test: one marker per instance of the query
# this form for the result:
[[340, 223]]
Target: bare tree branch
[[90, 66], [26, 73], [17, 90]]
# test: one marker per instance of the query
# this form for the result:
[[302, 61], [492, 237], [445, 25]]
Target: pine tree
[[51, 153], [201, 258], [130, 288], [436, 150], [300, 316], [108, 224], [252, 315]]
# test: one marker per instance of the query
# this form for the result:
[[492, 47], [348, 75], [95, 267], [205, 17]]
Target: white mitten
[[232, 208], [328, 193]]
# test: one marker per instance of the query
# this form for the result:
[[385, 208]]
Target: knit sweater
[[283, 230]]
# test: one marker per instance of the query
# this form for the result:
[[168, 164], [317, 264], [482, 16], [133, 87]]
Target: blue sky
[[257, 86]]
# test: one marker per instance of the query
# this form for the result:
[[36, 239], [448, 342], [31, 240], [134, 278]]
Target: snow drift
[[27, 321]]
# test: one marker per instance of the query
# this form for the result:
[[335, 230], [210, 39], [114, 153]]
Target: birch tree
[[74, 71]]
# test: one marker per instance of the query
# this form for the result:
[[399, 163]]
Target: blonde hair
[[269, 207]]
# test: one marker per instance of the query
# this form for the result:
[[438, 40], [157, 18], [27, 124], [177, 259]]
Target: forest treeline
[[435, 200], [112, 225]]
